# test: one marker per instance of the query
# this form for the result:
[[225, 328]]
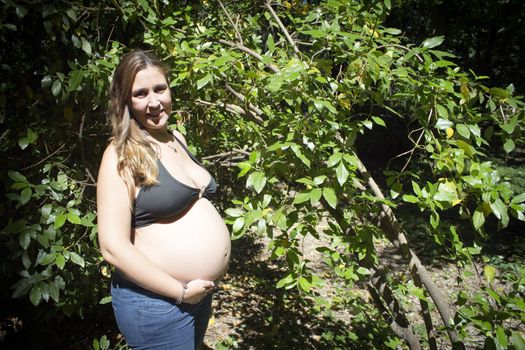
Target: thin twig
[[242, 98], [46, 158], [417, 142], [231, 108], [224, 154], [249, 52], [239, 37], [505, 119], [283, 28]]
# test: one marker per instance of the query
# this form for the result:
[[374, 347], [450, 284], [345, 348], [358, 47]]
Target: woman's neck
[[159, 135]]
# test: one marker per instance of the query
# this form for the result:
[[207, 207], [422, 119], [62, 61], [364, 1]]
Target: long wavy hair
[[137, 160]]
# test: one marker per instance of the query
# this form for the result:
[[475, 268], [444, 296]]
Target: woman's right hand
[[197, 290]]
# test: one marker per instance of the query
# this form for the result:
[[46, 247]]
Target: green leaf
[[518, 341], [238, 224], [23, 142], [76, 259], [442, 124], [24, 239], [433, 42], [490, 273], [104, 342], [286, 281], [500, 211], [315, 33], [463, 130], [330, 196], [261, 226], [48, 259], [53, 291], [56, 88], [418, 292], [379, 121], [60, 221], [334, 159], [519, 198], [86, 46], [434, 220], [318, 180], [25, 196], [315, 195], [341, 173], [478, 219], [297, 151], [75, 80], [393, 31], [469, 150], [270, 43], [31, 135], [60, 261], [105, 300], [446, 192], [36, 294], [509, 146], [258, 180], [73, 218], [410, 199], [202, 82], [301, 198], [363, 271], [234, 212], [222, 60], [502, 337], [16, 176], [304, 284]]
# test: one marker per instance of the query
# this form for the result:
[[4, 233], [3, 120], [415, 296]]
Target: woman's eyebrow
[[139, 91]]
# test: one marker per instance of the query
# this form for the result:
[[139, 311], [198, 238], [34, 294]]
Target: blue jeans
[[151, 321]]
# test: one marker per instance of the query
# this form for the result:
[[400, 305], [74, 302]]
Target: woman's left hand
[[197, 290]]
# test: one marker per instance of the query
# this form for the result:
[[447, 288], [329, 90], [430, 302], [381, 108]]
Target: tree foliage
[[277, 96]]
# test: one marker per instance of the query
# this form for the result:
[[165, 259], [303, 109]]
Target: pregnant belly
[[195, 246]]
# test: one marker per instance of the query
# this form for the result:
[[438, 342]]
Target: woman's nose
[[153, 103]]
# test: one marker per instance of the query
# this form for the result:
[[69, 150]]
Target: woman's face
[[150, 103]]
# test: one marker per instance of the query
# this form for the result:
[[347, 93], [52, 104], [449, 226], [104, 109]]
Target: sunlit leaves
[[433, 42]]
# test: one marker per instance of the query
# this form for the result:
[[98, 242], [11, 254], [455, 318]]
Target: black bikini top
[[168, 198]]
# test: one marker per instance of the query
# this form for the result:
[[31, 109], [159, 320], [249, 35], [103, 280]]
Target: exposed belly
[[195, 246]]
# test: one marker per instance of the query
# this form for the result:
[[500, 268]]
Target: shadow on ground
[[263, 317]]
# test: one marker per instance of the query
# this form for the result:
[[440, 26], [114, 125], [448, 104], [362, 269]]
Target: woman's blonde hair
[[137, 160]]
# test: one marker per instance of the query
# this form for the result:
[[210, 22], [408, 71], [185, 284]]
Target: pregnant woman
[[168, 243]]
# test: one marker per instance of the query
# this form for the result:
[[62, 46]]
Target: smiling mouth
[[154, 115]]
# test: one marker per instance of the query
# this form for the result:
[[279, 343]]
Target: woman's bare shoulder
[[179, 136]]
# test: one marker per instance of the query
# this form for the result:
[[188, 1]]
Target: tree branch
[[232, 108], [402, 331], [242, 98], [390, 226], [283, 28], [239, 37], [249, 52], [392, 313]]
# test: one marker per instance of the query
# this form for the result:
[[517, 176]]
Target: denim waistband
[[119, 280]]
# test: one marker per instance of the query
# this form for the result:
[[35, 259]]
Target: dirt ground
[[250, 314]]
